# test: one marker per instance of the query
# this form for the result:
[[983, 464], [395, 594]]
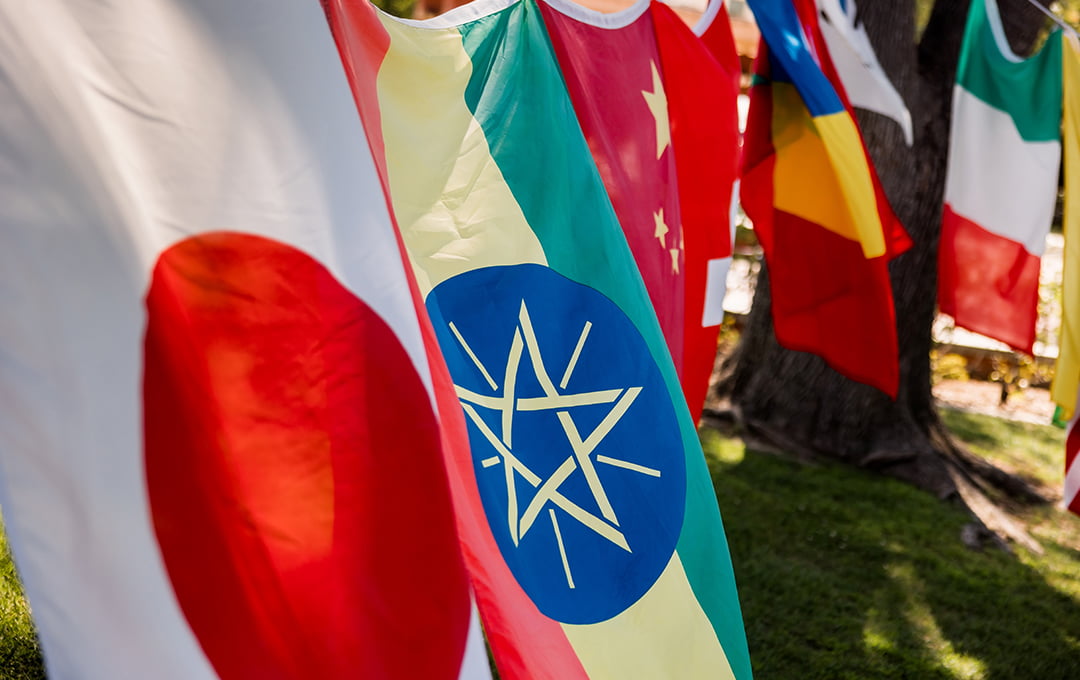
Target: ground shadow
[[845, 574]]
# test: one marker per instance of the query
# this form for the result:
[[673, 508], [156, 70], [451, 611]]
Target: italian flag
[[1004, 156], [591, 527]]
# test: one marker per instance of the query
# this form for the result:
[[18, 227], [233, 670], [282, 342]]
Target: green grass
[[20, 657], [846, 575]]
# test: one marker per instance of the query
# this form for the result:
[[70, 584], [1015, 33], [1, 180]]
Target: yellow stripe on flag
[[1067, 373], [665, 634], [821, 172], [454, 208]]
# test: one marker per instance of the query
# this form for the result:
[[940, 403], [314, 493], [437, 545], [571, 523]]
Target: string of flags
[[330, 335]]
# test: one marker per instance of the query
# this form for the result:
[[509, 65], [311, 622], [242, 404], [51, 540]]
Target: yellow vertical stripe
[[1067, 374], [454, 208], [821, 172], [665, 634]]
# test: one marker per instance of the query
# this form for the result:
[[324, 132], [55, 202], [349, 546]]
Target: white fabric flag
[[208, 345]]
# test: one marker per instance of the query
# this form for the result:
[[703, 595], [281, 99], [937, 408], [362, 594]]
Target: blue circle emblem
[[575, 443]]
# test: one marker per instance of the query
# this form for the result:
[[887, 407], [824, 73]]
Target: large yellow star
[[661, 228], [656, 100]]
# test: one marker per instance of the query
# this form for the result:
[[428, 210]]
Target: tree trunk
[[792, 400]]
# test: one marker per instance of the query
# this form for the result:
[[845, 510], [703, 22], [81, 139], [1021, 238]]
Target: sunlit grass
[[20, 658], [846, 574]]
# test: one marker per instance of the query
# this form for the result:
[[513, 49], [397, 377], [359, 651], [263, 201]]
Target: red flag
[[818, 208], [659, 114]]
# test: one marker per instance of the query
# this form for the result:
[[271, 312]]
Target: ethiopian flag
[[1001, 187], [591, 526]]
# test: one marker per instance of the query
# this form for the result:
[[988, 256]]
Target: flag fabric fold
[[865, 81], [1066, 383], [817, 206], [208, 349], [659, 115], [999, 197], [1067, 370], [590, 525]]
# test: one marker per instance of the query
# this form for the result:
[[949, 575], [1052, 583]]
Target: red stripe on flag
[[704, 118], [609, 75], [841, 313], [1072, 448], [989, 284], [292, 467], [362, 43], [524, 642]]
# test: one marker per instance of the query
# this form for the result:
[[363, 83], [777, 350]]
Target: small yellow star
[[661, 228], [656, 100], [675, 252]]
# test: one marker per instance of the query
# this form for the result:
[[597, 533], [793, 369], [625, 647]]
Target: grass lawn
[[844, 574], [20, 658], [847, 575]]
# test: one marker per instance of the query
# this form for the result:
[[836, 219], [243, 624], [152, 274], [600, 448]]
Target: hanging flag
[[999, 196], [817, 206], [1067, 370], [714, 30], [1071, 496], [591, 527], [865, 82], [219, 454], [659, 115]]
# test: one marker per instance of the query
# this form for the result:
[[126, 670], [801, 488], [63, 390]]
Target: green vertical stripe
[[518, 96], [1029, 91]]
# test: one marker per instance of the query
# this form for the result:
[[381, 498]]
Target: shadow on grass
[[1034, 451], [847, 575]]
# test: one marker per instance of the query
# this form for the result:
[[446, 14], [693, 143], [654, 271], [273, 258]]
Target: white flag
[[856, 63]]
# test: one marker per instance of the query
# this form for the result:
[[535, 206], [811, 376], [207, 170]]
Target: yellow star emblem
[[661, 228], [677, 252], [656, 100]]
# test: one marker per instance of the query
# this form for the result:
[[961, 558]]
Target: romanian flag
[[817, 206], [220, 455], [1002, 182], [1067, 371], [659, 114], [590, 524]]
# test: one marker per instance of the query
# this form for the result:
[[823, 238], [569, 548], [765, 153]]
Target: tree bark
[[792, 400]]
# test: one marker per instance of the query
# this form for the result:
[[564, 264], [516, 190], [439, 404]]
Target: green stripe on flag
[[572, 217], [1029, 91]]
